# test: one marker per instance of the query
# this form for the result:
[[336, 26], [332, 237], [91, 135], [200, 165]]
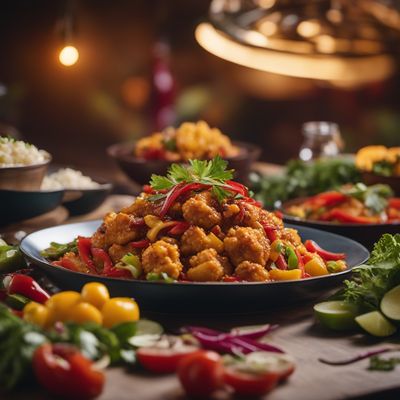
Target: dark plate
[[18, 205], [366, 234], [140, 170], [83, 201], [194, 297]]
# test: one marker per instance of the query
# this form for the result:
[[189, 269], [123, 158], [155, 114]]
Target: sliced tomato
[[257, 373], [201, 373], [163, 360]]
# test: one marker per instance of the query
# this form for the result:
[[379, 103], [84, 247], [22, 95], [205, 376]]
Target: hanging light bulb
[[68, 56]]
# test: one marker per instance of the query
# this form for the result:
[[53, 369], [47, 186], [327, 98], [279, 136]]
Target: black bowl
[[140, 170], [83, 201], [370, 178], [366, 234], [18, 205], [196, 297]]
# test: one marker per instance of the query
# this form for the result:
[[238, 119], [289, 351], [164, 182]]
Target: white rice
[[16, 153], [68, 178]]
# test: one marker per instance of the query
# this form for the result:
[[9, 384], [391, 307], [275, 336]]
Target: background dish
[[18, 205], [366, 234], [193, 297], [140, 170]]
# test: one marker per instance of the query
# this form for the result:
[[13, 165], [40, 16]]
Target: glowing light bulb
[[68, 56]]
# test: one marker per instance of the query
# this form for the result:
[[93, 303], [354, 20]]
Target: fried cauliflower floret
[[206, 266], [116, 252], [141, 207], [75, 262], [119, 228], [153, 142], [247, 244], [162, 257], [255, 217], [251, 272], [99, 238], [292, 236], [195, 240], [198, 210]]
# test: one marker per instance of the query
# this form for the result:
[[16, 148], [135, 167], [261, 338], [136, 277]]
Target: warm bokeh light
[[350, 70], [69, 55]]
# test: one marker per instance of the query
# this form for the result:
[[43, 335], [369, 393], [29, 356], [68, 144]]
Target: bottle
[[321, 139]]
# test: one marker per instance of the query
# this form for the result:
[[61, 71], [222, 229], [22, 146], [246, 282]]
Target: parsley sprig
[[213, 173]]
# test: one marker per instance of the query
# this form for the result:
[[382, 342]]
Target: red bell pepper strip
[[148, 189], [65, 372], [154, 154], [108, 267], [230, 279], [270, 231], [313, 247], [281, 262], [394, 202], [252, 201], [179, 228], [137, 221], [177, 191], [328, 199], [84, 247], [139, 244], [342, 216], [238, 187], [66, 263], [28, 287], [279, 214]]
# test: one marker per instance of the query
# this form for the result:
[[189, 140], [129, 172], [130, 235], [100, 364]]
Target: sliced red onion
[[359, 357]]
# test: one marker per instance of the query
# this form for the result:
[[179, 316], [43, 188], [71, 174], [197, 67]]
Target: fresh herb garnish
[[371, 281], [377, 363], [170, 144], [374, 197], [211, 173]]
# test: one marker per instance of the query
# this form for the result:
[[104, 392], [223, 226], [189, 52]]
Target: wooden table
[[298, 335]]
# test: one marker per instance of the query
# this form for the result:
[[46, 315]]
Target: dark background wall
[[107, 96]]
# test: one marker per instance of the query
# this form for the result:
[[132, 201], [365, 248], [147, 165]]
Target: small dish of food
[[22, 165], [155, 153], [358, 211], [199, 231], [81, 193], [379, 164]]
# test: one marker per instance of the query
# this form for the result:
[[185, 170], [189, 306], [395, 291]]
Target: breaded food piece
[[119, 228], [291, 235], [199, 210], [206, 266], [247, 244], [161, 257], [195, 240], [255, 217], [75, 262], [251, 272], [141, 207], [116, 251]]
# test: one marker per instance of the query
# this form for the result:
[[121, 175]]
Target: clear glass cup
[[321, 139]]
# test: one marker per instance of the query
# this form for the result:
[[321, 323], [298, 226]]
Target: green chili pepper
[[293, 261], [152, 276]]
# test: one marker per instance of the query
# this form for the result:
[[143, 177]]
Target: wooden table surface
[[298, 334]]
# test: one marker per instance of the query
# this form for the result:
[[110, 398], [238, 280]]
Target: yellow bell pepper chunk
[[215, 242], [276, 247], [285, 275], [316, 267]]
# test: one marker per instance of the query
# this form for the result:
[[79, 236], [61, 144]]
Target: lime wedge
[[336, 315], [390, 304], [376, 324]]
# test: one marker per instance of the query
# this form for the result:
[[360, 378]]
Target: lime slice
[[376, 324], [390, 304], [336, 315], [148, 327]]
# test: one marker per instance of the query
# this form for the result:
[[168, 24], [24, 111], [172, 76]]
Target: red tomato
[[201, 373], [246, 384], [258, 373], [163, 360], [64, 371]]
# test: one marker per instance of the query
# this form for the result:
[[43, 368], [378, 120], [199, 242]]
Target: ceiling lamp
[[69, 54], [344, 41]]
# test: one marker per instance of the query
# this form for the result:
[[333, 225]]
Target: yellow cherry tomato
[[36, 313], [316, 267], [84, 312], [285, 275], [96, 294], [60, 304], [118, 310]]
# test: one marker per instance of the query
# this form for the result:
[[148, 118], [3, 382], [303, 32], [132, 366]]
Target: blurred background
[[141, 68]]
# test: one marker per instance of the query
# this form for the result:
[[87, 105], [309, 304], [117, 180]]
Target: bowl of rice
[[81, 193], [22, 165]]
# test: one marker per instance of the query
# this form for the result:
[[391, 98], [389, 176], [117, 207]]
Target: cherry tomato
[[60, 304], [36, 313], [118, 310], [201, 373], [96, 294], [64, 371], [257, 373], [163, 360], [84, 312]]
